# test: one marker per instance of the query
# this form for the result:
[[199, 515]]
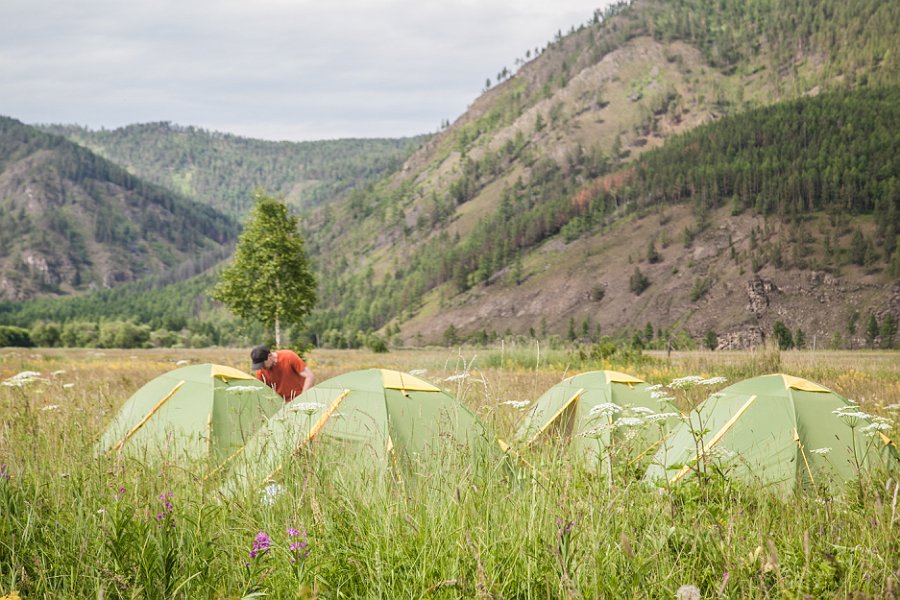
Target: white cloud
[[278, 69]]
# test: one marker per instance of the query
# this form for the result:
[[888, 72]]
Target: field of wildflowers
[[77, 525]]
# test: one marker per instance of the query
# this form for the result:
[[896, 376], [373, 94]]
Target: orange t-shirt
[[285, 377]]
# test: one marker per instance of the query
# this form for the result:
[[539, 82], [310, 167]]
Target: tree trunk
[[277, 332]]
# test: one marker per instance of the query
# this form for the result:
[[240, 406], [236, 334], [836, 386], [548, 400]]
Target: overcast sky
[[272, 69]]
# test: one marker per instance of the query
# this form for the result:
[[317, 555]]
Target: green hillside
[[546, 169], [222, 170], [73, 221]]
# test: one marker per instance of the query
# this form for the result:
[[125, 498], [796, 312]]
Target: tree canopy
[[270, 280]]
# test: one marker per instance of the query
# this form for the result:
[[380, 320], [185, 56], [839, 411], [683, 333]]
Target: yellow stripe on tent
[[148, 415], [395, 380], [616, 377], [715, 439], [224, 373], [803, 385], [568, 403]]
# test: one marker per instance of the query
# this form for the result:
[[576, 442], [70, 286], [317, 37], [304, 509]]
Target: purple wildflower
[[167, 513], [299, 548], [261, 544], [3, 472]]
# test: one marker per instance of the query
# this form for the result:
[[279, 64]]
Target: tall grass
[[74, 525]]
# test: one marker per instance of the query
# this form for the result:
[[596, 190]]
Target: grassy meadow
[[75, 525]]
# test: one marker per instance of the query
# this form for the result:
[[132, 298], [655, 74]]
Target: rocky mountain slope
[[494, 225]]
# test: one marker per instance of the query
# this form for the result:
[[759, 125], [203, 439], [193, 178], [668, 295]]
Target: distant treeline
[[222, 170]]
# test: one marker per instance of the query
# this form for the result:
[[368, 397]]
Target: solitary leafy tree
[[270, 279]]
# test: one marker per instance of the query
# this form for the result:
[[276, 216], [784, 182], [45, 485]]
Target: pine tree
[[783, 336], [888, 331], [871, 330], [270, 280]]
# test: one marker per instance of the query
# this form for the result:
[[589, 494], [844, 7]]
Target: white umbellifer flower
[[854, 415], [661, 397], [642, 410], [58, 373], [307, 407], [418, 372], [456, 377], [628, 422], [597, 431], [685, 382], [242, 388], [713, 381], [850, 414], [720, 453], [22, 379], [688, 592], [661, 417], [654, 387], [517, 403], [605, 409], [875, 428], [182, 362], [51, 407], [821, 451], [68, 386], [893, 406]]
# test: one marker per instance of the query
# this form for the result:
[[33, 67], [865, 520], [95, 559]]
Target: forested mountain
[[672, 171], [222, 170], [72, 221], [545, 208]]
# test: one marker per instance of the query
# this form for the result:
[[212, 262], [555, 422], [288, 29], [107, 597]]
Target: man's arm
[[308, 378]]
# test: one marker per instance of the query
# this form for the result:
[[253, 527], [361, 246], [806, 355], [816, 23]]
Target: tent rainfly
[[780, 431], [587, 409], [371, 418], [196, 412]]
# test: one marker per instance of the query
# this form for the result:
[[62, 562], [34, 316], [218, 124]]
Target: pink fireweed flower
[[300, 548], [166, 516], [261, 545]]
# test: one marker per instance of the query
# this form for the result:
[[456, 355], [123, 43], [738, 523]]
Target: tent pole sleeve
[[507, 449], [803, 454], [568, 403], [715, 440], [315, 428], [324, 419], [149, 414]]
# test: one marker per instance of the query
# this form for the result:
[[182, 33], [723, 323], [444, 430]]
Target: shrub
[[15, 336], [638, 282]]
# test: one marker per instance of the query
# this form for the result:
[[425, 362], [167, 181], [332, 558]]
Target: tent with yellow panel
[[778, 431], [368, 420], [197, 412], [590, 411]]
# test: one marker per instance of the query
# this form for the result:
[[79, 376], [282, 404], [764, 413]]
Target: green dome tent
[[585, 410], [775, 430], [195, 412], [369, 418]]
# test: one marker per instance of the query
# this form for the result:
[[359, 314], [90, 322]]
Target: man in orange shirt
[[283, 371]]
